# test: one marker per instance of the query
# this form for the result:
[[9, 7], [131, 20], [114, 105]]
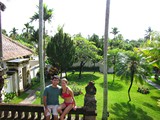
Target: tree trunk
[[80, 69], [132, 77], [41, 60], [105, 84]]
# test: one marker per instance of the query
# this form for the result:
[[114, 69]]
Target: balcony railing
[[36, 112]]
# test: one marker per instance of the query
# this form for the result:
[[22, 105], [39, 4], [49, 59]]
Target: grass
[[142, 106], [20, 98]]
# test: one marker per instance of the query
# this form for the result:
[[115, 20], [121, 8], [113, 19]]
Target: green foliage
[[18, 99], [76, 90], [9, 96], [35, 83], [38, 94], [60, 51]]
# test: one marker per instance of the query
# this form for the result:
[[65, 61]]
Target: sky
[[131, 17]]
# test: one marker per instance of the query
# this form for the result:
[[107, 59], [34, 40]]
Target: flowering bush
[[143, 90]]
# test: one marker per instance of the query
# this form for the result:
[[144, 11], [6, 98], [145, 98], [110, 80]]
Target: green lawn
[[142, 106]]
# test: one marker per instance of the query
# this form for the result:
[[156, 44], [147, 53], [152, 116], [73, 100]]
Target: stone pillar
[[1, 83], [90, 102]]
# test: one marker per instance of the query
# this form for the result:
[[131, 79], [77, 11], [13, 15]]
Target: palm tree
[[27, 30], [132, 66], [105, 84], [114, 31], [13, 33], [47, 16], [148, 33]]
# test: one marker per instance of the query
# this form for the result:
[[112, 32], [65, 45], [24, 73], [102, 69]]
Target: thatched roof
[[12, 49]]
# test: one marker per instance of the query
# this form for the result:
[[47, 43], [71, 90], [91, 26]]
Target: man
[[51, 98]]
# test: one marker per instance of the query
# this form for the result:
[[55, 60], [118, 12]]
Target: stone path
[[153, 84], [30, 98]]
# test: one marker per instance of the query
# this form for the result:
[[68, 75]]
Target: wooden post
[[2, 8]]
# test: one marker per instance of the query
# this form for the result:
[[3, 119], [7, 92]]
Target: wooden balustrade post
[[2, 8], [1, 83], [90, 102]]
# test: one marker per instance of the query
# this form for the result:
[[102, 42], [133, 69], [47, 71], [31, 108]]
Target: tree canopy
[[61, 51]]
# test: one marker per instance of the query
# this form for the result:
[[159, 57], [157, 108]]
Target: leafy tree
[[61, 51], [98, 42], [132, 66], [85, 51], [151, 51], [4, 32]]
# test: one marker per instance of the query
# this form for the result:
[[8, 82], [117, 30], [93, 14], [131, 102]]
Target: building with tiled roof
[[16, 62], [12, 49]]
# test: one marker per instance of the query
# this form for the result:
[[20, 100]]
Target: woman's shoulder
[[69, 89]]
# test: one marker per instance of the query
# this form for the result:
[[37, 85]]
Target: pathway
[[153, 84], [32, 95], [30, 98]]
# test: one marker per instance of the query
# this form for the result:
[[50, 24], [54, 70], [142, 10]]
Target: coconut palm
[[132, 67], [27, 30], [114, 31], [148, 33], [13, 33], [47, 15]]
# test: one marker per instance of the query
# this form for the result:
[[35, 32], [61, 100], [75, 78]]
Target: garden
[[142, 106]]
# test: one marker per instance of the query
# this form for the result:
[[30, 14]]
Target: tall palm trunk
[[41, 61], [105, 88]]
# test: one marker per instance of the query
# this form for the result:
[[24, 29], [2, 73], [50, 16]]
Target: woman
[[68, 96]]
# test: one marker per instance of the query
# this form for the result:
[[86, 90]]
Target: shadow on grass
[[84, 79], [127, 111], [113, 86], [155, 97], [151, 106]]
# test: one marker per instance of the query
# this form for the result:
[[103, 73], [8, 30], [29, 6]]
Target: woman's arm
[[72, 95]]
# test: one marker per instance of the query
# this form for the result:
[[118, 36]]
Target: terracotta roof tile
[[12, 49]]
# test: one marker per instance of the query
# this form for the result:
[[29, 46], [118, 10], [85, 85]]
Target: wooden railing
[[36, 112]]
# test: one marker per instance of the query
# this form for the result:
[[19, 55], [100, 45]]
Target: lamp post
[[2, 8]]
